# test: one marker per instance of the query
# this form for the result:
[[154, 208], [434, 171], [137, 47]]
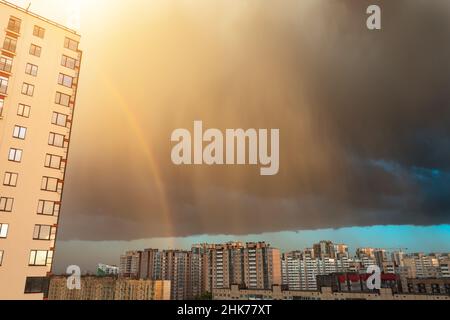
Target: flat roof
[[39, 17]]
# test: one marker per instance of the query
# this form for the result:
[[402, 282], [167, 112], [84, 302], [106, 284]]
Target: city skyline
[[96, 256], [362, 151], [258, 267]]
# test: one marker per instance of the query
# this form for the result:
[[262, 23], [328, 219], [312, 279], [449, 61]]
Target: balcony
[[14, 25]]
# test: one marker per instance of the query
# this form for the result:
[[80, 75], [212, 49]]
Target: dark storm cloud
[[364, 119]]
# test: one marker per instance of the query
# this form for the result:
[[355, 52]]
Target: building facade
[[277, 293], [130, 264], [39, 71], [109, 288]]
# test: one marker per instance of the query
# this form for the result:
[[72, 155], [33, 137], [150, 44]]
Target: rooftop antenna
[[29, 5]]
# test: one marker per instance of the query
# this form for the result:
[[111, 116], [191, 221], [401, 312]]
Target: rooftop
[[38, 17]]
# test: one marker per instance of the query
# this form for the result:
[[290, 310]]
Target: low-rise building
[[108, 288], [436, 286], [277, 293]]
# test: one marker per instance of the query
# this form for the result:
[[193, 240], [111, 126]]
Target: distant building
[[324, 249], [356, 282], [325, 293], [130, 264], [431, 286], [254, 265], [107, 270], [109, 288]]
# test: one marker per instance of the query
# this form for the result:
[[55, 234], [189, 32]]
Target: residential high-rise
[[130, 264], [150, 264], [262, 266], [253, 265], [325, 249], [39, 70]]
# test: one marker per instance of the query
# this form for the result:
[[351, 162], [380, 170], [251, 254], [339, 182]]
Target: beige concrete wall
[[19, 242]]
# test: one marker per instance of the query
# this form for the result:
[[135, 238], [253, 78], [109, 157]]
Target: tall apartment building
[[150, 265], [182, 269], [324, 249], [39, 70], [253, 265], [262, 266], [301, 268], [175, 268]]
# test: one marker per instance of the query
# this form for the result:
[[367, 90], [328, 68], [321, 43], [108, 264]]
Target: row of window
[[28, 89], [15, 23], [31, 69], [45, 207], [55, 140], [20, 132], [38, 258], [41, 232], [10, 44], [47, 184], [24, 110], [52, 161]]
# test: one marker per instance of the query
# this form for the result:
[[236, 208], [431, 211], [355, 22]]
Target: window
[[35, 50], [68, 62], [31, 69], [20, 132], [5, 64], [2, 102], [15, 155], [39, 32], [1, 257], [59, 119], [37, 285], [14, 24], [48, 208], [10, 44], [62, 99], [71, 44], [52, 161], [3, 230], [50, 184], [28, 89], [3, 85], [23, 110], [42, 232], [40, 258], [56, 140], [10, 179], [65, 80], [6, 204]]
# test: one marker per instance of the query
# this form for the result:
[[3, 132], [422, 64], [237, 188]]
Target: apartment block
[[236, 292], [254, 265], [39, 71], [130, 264], [109, 288]]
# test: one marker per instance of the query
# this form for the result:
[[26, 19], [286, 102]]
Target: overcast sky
[[364, 116]]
